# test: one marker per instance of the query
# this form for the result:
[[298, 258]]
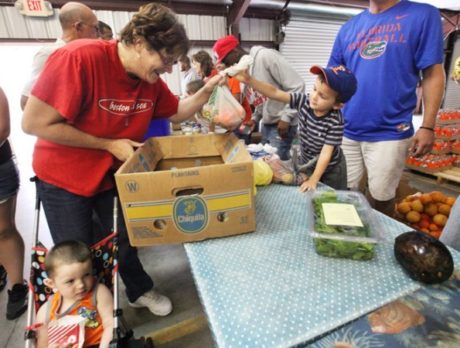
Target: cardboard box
[[179, 189]]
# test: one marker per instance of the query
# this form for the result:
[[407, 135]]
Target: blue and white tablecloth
[[269, 288]]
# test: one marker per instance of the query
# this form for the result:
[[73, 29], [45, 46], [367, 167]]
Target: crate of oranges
[[426, 212]]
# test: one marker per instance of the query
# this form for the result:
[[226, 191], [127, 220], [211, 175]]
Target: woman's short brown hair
[[159, 27]]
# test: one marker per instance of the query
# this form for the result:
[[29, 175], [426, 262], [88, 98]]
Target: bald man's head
[[77, 21]]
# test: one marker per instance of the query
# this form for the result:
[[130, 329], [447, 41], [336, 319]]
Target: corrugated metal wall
[[13, 25], [308, 42]]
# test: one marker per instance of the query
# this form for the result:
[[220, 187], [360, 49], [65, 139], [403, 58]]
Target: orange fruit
[[436, 234], [450, 200], [403, 207], [438, 196], [425, 230], [431, 209], [425, 216], [424, 223], [426, 198], [413, 216], [440, 219], [417, 205], [433, 227], [444, 209]]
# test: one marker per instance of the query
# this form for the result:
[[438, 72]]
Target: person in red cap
[[279, 122], [320, 122]]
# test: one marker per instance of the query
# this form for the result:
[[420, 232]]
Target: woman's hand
[[122, 149], [213, 82]]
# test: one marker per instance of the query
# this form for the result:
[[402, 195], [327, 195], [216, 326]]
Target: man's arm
[[433, 83]]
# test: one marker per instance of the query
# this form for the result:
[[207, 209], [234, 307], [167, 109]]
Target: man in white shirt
[[77, 22]]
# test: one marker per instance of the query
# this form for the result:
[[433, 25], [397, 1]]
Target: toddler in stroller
[[69, 269], [103, 259]]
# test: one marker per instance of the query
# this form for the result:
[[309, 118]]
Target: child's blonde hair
[[70, 251]]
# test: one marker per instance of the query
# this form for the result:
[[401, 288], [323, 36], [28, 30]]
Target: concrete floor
[[186, 326]]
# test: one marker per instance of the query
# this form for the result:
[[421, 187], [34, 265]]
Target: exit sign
[[38, 8]]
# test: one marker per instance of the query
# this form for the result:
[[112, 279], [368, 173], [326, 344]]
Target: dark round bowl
[[423, 257]]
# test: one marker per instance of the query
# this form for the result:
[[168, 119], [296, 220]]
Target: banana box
[[179, 189]]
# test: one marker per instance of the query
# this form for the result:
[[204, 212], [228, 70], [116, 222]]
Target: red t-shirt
[[86, 83]]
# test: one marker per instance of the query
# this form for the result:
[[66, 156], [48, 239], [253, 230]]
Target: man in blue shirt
[[387, 47]]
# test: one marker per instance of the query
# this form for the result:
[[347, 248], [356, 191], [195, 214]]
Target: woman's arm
[[50, 125]]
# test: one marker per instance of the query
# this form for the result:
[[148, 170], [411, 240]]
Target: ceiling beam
[[236, 12]]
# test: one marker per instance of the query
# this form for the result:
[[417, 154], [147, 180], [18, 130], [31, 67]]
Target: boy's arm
[[42, 331], [323, 161], [266, 89], [105, 309]]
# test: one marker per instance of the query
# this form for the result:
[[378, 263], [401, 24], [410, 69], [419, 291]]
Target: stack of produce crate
[[446, 149]]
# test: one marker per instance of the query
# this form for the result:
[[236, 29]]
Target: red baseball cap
[[224, 46]]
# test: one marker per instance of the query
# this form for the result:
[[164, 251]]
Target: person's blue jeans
[[69, 216], [270, 135]]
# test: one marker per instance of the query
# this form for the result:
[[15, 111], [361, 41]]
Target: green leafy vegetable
[[341, 248]]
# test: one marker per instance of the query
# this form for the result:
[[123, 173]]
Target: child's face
[[196, 66], [73, 280], [323, 98]]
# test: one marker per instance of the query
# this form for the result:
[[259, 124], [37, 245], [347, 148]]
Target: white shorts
[[383, 161]]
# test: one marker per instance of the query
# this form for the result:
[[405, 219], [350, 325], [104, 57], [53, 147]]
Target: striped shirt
[[315, 132]]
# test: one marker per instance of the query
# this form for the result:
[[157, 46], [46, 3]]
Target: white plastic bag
[[223, 109]]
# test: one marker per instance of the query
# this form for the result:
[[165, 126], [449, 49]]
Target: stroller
[[105, 266]]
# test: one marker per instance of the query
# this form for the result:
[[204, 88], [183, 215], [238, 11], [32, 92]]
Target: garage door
[[309, 41]]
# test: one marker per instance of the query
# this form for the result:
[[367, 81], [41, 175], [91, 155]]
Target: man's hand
[[422, 142], [283, 129]]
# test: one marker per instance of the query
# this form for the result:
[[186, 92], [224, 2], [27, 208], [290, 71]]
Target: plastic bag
[[282, 173], [223, 109], [263, 174]]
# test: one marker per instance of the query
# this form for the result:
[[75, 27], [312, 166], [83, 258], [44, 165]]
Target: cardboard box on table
[[179, 189]]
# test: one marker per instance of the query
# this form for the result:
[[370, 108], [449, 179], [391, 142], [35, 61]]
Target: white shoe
[[157, 303]]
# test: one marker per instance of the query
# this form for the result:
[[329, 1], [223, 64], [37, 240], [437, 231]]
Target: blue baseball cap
[[339, 78]]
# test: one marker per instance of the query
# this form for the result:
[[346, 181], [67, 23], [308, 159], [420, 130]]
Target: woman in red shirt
[[90, 109]]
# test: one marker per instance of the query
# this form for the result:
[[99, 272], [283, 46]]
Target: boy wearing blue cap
[[320, 122]]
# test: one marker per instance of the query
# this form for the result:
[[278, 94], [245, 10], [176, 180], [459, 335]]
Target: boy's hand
[[309, 185], [243, 76]]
